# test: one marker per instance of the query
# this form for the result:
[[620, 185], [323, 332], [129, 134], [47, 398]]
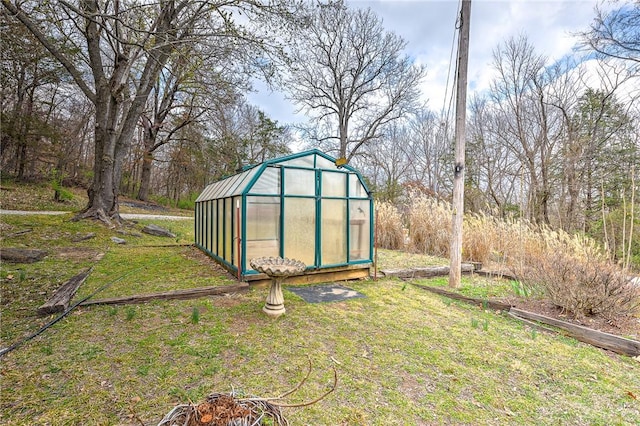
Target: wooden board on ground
[[617, 344], [425, 272], [352, 272], [597, 338], [192, 293], [17, 255], [483, 303], [61, 298]]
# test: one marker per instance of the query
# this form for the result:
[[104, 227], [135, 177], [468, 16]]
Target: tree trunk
[[150, 135], [22, 156], [103, 194], [25, 129], [145, 178]]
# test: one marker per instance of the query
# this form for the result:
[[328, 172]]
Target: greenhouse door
[[299, 215], [300, 229], [315, 217]]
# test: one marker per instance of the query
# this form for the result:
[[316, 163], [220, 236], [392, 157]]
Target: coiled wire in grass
[[220, 409]]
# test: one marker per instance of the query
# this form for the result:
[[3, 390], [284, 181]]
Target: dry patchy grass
[[403, 355]]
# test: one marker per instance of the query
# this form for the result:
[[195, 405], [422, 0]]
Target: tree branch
[[42, 38]]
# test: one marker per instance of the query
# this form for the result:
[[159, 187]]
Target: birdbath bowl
[[276, 268]]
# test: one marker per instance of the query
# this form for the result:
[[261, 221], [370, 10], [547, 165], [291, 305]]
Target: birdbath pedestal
[[276, 268]]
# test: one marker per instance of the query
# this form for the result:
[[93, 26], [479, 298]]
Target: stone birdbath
[[276, 268]]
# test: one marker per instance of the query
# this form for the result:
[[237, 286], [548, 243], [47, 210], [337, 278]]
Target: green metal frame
[[232, 189]]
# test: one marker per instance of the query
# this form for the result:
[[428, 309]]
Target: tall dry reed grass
[[429, 222], [390, 228], [572, 270]]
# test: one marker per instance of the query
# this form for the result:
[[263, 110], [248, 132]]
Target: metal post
[[238, 255], [375, 248]]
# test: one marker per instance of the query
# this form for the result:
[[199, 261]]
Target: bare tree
[[350, 76], [240, 134], [29, 78], [427, 148], [386, 162], [520, 98], [616, 33], [179, 97], [115, 51], [493, 172], [592, 117]]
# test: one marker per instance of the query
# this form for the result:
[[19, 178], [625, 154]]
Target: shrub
[[390, 232], [60, 194], [576, 274]]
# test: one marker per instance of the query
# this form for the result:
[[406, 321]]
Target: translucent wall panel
[[237, 229], [323, 163], [334, 184], [240, 185], [300, 229], [268, 182], [334, 232], [359, 230], [263, 227], [198, 224], [234, 181], [299, 182], [220, 230], [224, 186], [355, 187], [228, 236], [306, 161], [206, 216], [213, 221]]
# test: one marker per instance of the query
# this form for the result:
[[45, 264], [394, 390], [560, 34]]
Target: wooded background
[[148, 100]]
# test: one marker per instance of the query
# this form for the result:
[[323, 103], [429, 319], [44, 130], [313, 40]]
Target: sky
[[428, 27]]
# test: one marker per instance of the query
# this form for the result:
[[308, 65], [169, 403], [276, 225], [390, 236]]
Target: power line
[[452, 64]]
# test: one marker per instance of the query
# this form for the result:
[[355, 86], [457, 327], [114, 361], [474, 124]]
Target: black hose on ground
[[16, 345]]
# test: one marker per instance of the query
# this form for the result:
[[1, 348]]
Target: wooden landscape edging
[[483, 303], [61, 298], [192, 293], [600, 339], [597, 338]]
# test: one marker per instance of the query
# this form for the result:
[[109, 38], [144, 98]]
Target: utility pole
[[460, 133]]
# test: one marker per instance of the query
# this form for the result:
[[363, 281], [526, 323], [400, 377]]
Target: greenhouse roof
[[242, 182]]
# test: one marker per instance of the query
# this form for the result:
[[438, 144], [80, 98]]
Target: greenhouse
[[300, 206]]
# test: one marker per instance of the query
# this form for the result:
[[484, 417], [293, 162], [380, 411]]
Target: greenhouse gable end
[[301, 206]]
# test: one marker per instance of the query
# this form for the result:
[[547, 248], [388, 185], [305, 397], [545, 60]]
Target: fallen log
[[81, 237], [617, 344], [158, 231], [17, 255], [61, 298], [425, 272], [192, 293], [483, 303]]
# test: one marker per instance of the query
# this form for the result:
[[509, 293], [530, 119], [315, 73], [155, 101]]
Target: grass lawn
[[403, 356]]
